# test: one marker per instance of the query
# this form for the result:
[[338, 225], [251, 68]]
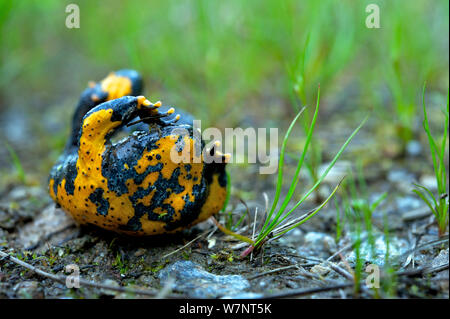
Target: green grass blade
[[426, 201], [280, 168], [227, 198], [430, 194], [16, 162], [300, 161], [378, 201], [338, 220], [426, 127], [318, 209], [267, 230], [324, 174], [240, 220], [442, 180]]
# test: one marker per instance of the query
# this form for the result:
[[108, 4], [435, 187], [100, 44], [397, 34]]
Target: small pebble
[[320, 270], [190, 278], [413, 148], [140, 252]]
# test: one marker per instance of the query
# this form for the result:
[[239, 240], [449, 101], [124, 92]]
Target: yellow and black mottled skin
[[116, 84], [133, 186]]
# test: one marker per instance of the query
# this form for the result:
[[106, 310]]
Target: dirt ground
[[308, 262]]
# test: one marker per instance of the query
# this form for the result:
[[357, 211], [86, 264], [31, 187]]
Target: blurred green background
[[230, 63]]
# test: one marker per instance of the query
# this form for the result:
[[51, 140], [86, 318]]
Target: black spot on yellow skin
[[132, 186]]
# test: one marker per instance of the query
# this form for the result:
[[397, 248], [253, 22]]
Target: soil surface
[[33, 230]]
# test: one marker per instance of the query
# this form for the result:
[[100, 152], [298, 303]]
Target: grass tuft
[[16, 163], [276, 223], [438, 204]]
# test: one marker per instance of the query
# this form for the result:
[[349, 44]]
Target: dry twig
[[308, 291], [272, 271], [184, 246], [83, 282]]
